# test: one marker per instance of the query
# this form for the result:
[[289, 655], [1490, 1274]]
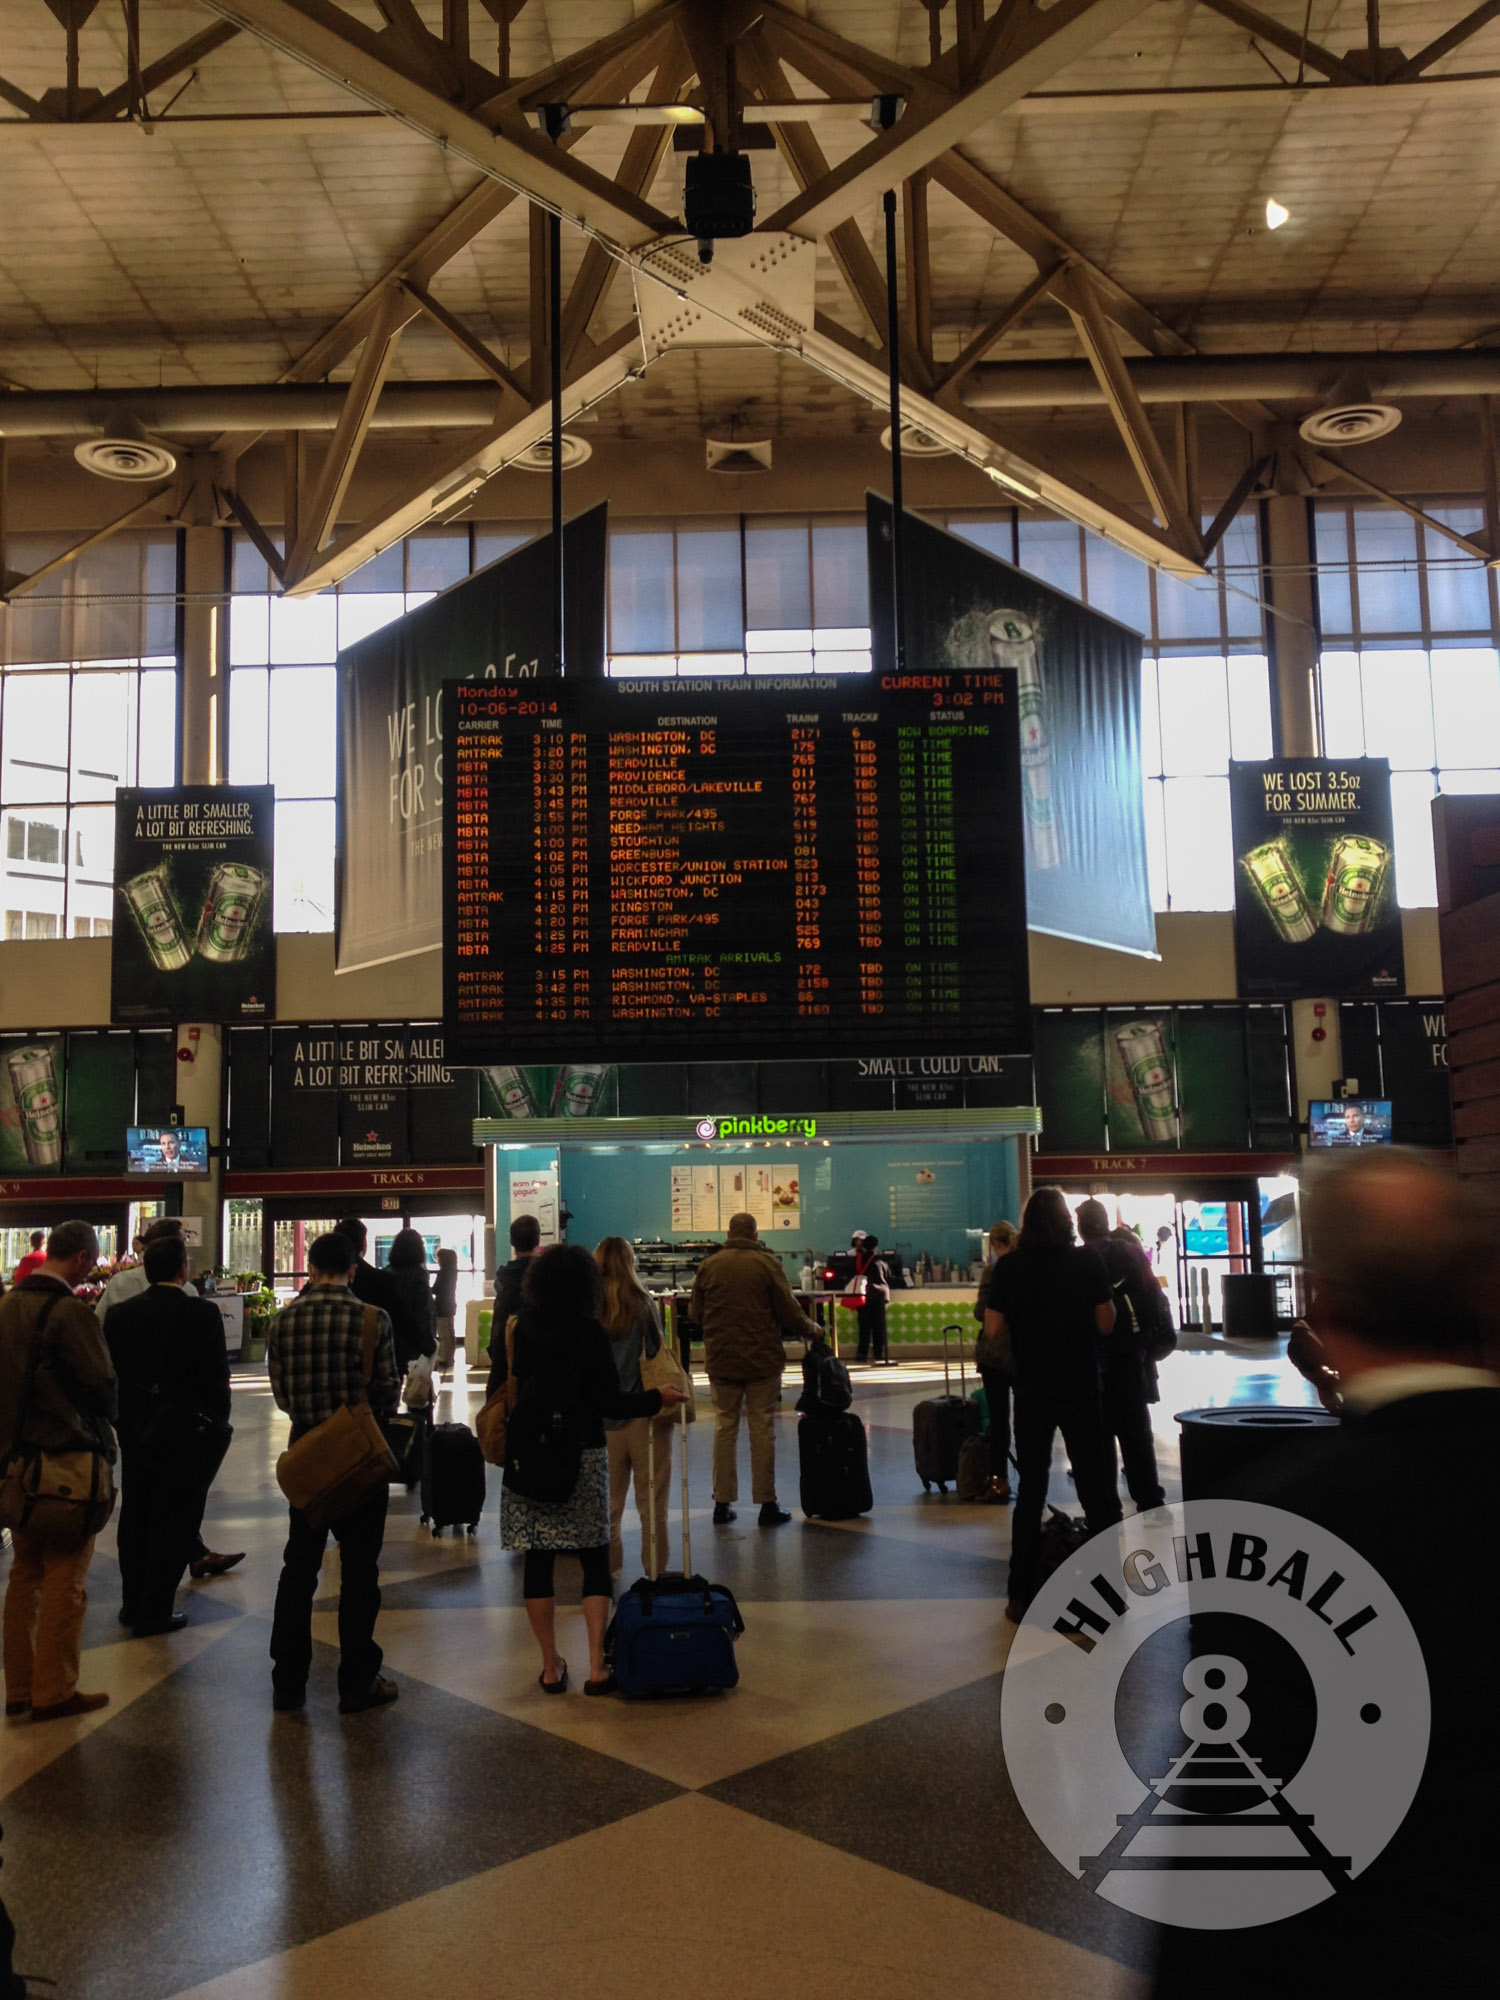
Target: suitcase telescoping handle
[[962, 1384], [683, 1352]]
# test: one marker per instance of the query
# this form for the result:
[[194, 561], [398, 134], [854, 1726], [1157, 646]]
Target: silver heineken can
[[149, 900], [578, 1088], [230, 909], [1356, 877], [33, 1083], [1143, 1051], [1281, 894], [1013, 644], [517, 1099]]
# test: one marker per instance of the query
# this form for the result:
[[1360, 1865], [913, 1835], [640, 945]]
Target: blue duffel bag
[[674, 1636]]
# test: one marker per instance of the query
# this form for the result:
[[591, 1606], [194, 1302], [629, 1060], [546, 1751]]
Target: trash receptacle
[[1219, 1447], [1250, 1305]]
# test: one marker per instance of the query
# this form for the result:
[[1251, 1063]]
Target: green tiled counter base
[[909, 1319]]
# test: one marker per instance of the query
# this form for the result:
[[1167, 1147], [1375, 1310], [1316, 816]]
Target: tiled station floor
[[840, 1826]]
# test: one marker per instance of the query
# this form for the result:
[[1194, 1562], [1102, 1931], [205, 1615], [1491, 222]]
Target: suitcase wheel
[[942, 1486], [926, 1485]]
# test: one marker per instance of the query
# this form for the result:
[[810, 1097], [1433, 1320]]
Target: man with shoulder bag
[[57, 1405], [173, 1369], [329, 1355]]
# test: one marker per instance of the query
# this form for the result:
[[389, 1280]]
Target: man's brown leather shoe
[[76, 1704], [213, 1565]]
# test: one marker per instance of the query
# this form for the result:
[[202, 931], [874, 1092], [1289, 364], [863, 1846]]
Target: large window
[[88, 701], [1409, 667], [739, 596], [283, 699]]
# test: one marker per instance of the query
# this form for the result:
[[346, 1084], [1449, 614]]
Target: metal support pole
[[893, 350], [554, 334]]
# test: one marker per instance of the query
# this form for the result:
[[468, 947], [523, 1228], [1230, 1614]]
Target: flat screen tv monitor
[[177, 1150], [1355, 1121]]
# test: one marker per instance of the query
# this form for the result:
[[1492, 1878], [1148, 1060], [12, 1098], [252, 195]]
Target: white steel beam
[[325, 39], [459, 480]]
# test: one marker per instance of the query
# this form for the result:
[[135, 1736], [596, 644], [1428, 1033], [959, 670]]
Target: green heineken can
[[149, 900], [1143, 1051], [1013, 638], [517, 1099], [1356, 878], [227, 926], [1282, 895], [33, 1082], [577, 1090]]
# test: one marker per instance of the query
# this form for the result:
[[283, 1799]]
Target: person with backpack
[[555, 1497], [1129, 1379], [872, 1267], [629, 1316], [1052, 1298]]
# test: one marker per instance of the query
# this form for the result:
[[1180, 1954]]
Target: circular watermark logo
[[1217, 1716], [707, 1128]]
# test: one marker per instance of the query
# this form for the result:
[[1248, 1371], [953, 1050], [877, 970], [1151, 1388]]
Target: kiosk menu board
[[693, 869]]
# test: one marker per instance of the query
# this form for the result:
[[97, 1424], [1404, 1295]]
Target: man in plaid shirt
[[314, 1358]]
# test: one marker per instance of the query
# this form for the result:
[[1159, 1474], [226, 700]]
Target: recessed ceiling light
[[1275, 213]]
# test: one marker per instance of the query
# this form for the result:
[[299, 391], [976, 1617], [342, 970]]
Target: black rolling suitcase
[[452, 1478], [835, 1464], [941, 1425]]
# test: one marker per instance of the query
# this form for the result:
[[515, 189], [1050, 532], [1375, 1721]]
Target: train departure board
[[747, 869]]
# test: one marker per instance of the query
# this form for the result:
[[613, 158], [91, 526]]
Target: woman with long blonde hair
[[630, 1318]]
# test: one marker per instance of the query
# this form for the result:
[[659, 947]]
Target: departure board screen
[[751, 869]]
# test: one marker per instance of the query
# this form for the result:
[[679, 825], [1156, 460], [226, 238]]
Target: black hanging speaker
[[718, 198]]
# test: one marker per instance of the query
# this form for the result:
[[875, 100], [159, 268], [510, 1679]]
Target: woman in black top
[[561, 1349], [445, 1306], [413, 1321], [1053, 1300]]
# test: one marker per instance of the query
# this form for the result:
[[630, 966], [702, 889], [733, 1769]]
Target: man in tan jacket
[[743, 1303], [68, 1404]]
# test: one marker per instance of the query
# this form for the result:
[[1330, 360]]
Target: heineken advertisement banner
[[364, 1096], [1078, 678], [1315, 908], [1199, 1079], [65, 1100], [495, 625], [193, 933]]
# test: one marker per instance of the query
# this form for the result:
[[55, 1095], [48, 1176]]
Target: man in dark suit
[[169, 1354], [1405, 1264]]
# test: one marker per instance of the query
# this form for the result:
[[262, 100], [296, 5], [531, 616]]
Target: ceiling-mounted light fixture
[[916, 443], [127, 452], [1275, 213]]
